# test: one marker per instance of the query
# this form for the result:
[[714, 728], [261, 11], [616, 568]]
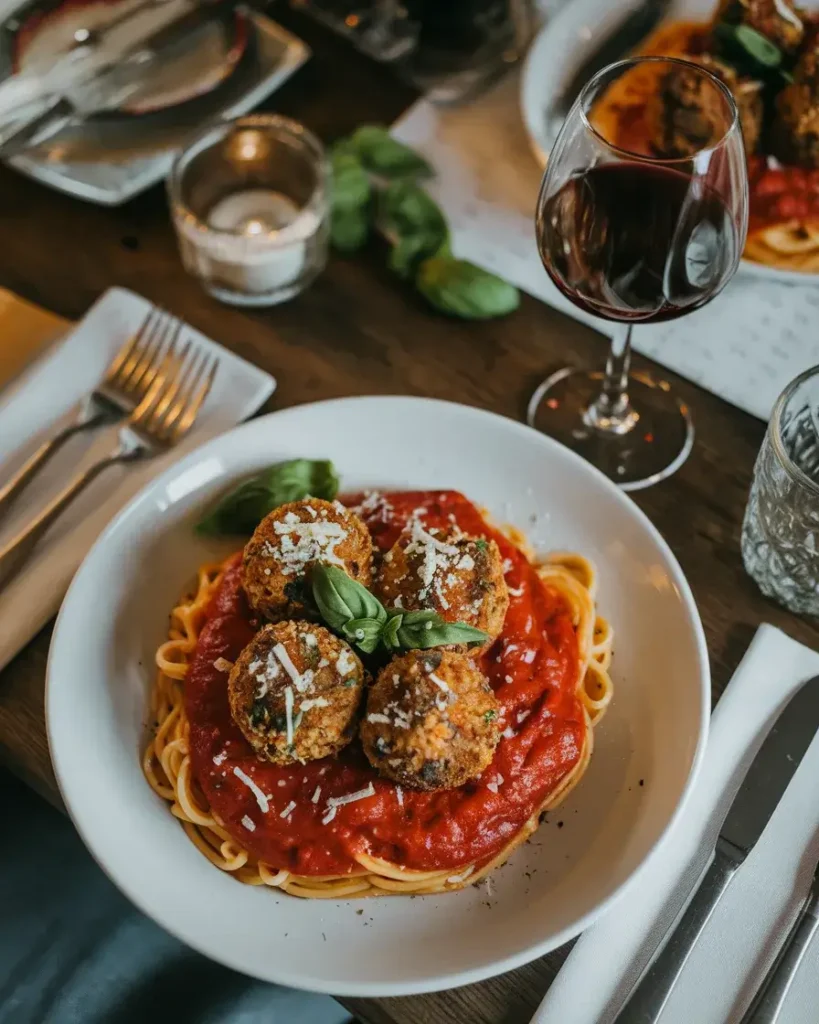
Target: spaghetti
[[356, 854]]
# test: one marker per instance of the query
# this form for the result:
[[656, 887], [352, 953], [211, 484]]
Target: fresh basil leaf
[[349, 231], [351, 185], [351, 194], [341, 599], [389, 634], [462, 289], [382, 154], [415, 224], [241, 510], [364, 633], [425, 629]]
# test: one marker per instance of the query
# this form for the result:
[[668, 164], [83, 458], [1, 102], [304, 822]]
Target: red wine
[[631, 241]]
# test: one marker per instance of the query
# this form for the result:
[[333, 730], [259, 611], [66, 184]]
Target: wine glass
[[636, 237]]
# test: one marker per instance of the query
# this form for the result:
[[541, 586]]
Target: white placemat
[[751, 920], [44, 397], [745, 346]]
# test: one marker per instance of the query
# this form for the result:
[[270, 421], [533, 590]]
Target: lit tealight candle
[[259, 248]]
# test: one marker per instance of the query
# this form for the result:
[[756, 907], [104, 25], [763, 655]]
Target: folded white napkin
[[753, 917], [43, 398]]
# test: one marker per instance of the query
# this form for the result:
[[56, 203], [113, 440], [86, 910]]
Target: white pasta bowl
[[647, 748]]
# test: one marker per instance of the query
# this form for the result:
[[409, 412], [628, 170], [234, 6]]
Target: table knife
[[758, 796], [109, 88], [767, 1004]]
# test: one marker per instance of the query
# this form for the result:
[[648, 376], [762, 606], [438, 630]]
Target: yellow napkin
[[25, 331]]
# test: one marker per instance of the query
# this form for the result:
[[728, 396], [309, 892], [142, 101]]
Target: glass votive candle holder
[[250, 205]]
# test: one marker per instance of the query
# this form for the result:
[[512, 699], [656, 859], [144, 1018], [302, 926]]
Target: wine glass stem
[[611, 412]]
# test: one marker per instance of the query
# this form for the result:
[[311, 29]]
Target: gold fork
[[126, 382], [160, 421]]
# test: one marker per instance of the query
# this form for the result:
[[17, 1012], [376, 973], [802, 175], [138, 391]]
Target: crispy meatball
[[431, 720], [777, 20], [459, 577], [295, 691], [287, 542], [687, 114], [796, 127]]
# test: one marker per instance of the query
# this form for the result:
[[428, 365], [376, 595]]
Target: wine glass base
[[655, 447]]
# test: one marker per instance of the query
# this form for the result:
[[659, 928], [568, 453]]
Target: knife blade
[[109, 88], [758, 796]]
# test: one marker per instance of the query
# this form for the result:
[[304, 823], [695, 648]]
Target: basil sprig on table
[[350, 609], [241, 510], [375, 185]]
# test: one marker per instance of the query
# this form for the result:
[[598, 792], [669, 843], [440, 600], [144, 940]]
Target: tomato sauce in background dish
[[532, 668]]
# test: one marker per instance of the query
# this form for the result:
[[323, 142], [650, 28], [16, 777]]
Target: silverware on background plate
[[160, 421], [94, 89], [764, 783], [126, 382], [768, 1002]]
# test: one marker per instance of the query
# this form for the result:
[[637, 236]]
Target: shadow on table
[[74, 951]]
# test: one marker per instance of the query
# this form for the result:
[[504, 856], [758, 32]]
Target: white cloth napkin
[[44, 397], [753, 917]]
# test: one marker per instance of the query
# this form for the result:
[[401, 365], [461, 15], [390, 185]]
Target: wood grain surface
[[357, 331]]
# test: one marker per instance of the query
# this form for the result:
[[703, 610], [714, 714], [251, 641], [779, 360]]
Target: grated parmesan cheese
[[288, 810], [439, 682], [515, 593], [220, 758], [261, 799], [248, 824], [498, 781], [317, 794], [303, 543], [399, 795], [509, 733], [376, 717], [350, 798], [301, 682], [288, 710], [314, 702], [529, 657], [345, 663], [434, 553], [223, 665]]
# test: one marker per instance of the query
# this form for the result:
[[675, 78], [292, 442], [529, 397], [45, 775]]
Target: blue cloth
[[74, 951]]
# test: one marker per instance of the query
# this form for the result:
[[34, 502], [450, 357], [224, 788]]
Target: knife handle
[[651, 994], [768, 1003]]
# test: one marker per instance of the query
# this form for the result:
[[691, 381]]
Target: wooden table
[[359, 330]]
